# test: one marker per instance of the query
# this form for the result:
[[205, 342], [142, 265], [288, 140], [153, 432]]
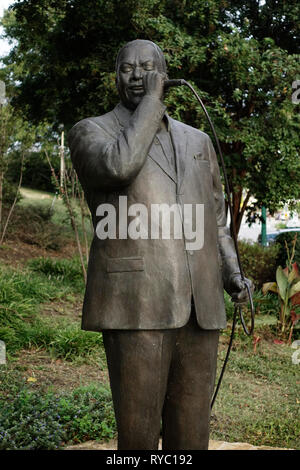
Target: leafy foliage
[[259, 262], [287, 286], [30, 421], [287, 237], [240, 56], [9, 193], [16, 133], [41, 231], [36, 173]]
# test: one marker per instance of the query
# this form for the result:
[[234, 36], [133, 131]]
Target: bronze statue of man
[[158, 302]]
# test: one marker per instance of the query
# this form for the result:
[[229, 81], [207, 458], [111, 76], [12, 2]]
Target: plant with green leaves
[[240, 56], [17, 139], [287, 287], [32, 421]]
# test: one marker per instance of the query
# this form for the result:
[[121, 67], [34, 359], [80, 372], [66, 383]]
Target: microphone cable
[[237, 308]]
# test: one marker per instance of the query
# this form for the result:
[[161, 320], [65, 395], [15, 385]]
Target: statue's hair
[[145, 41]]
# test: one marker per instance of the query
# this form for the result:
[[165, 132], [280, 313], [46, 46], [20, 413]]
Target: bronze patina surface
[[159, 305]]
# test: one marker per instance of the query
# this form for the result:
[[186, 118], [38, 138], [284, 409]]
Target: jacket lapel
[[179, 139], [122, 114], [156, 153]]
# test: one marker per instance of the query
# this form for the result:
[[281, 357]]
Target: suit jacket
[[148, 283]]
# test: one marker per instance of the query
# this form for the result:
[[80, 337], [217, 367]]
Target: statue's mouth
[[138, 88]]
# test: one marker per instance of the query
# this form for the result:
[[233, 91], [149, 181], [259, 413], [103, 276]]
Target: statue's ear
[[117, 82], [165, 74]]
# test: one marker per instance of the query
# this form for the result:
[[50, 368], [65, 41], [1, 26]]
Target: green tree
[[16, 136], [240, 56]]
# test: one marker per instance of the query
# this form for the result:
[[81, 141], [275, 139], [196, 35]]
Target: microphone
[[170, 83]]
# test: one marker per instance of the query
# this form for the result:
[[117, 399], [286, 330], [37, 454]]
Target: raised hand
[[153, 82]]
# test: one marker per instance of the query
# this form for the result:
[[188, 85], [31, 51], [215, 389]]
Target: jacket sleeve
[[106, 162], [226, 245]]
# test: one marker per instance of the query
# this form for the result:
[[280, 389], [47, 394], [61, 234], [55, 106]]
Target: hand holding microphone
[[155, 83], [170, 83]]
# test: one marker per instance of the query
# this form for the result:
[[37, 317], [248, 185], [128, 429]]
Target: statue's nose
[[137, 73]]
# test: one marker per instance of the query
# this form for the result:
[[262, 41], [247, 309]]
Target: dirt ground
[[62, 308], [41, 371], [16, 252]]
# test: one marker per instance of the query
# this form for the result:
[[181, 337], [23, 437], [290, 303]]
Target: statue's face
[[134, 62]]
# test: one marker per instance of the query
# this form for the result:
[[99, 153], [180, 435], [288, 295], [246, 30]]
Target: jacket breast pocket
[[123, 265], [203, 166], [200, 160], [199, 156]]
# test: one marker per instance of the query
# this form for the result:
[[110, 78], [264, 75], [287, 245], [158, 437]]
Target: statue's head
[[134, 60]]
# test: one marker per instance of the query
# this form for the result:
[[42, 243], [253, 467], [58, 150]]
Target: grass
[[21, 294], [67, 271], [258, 401]]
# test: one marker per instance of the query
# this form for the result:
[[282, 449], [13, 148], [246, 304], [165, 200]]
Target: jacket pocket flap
[[202, 161], [119, 265]]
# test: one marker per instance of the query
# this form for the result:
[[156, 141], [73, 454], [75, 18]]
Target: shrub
[[259, 262], [287, 288], [229, 306], [30, 421], [39, 212], [282, 253], [9, 192], [92, 417], [40, 230], [265, 304], [36, 173]]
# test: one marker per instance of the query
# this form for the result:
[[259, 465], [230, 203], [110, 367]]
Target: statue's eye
[[148, 66], [126, 68]]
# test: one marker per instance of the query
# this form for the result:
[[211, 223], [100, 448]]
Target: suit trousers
[[163, 376]]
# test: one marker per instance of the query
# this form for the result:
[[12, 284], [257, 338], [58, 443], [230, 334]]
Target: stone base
[[213, 445]]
